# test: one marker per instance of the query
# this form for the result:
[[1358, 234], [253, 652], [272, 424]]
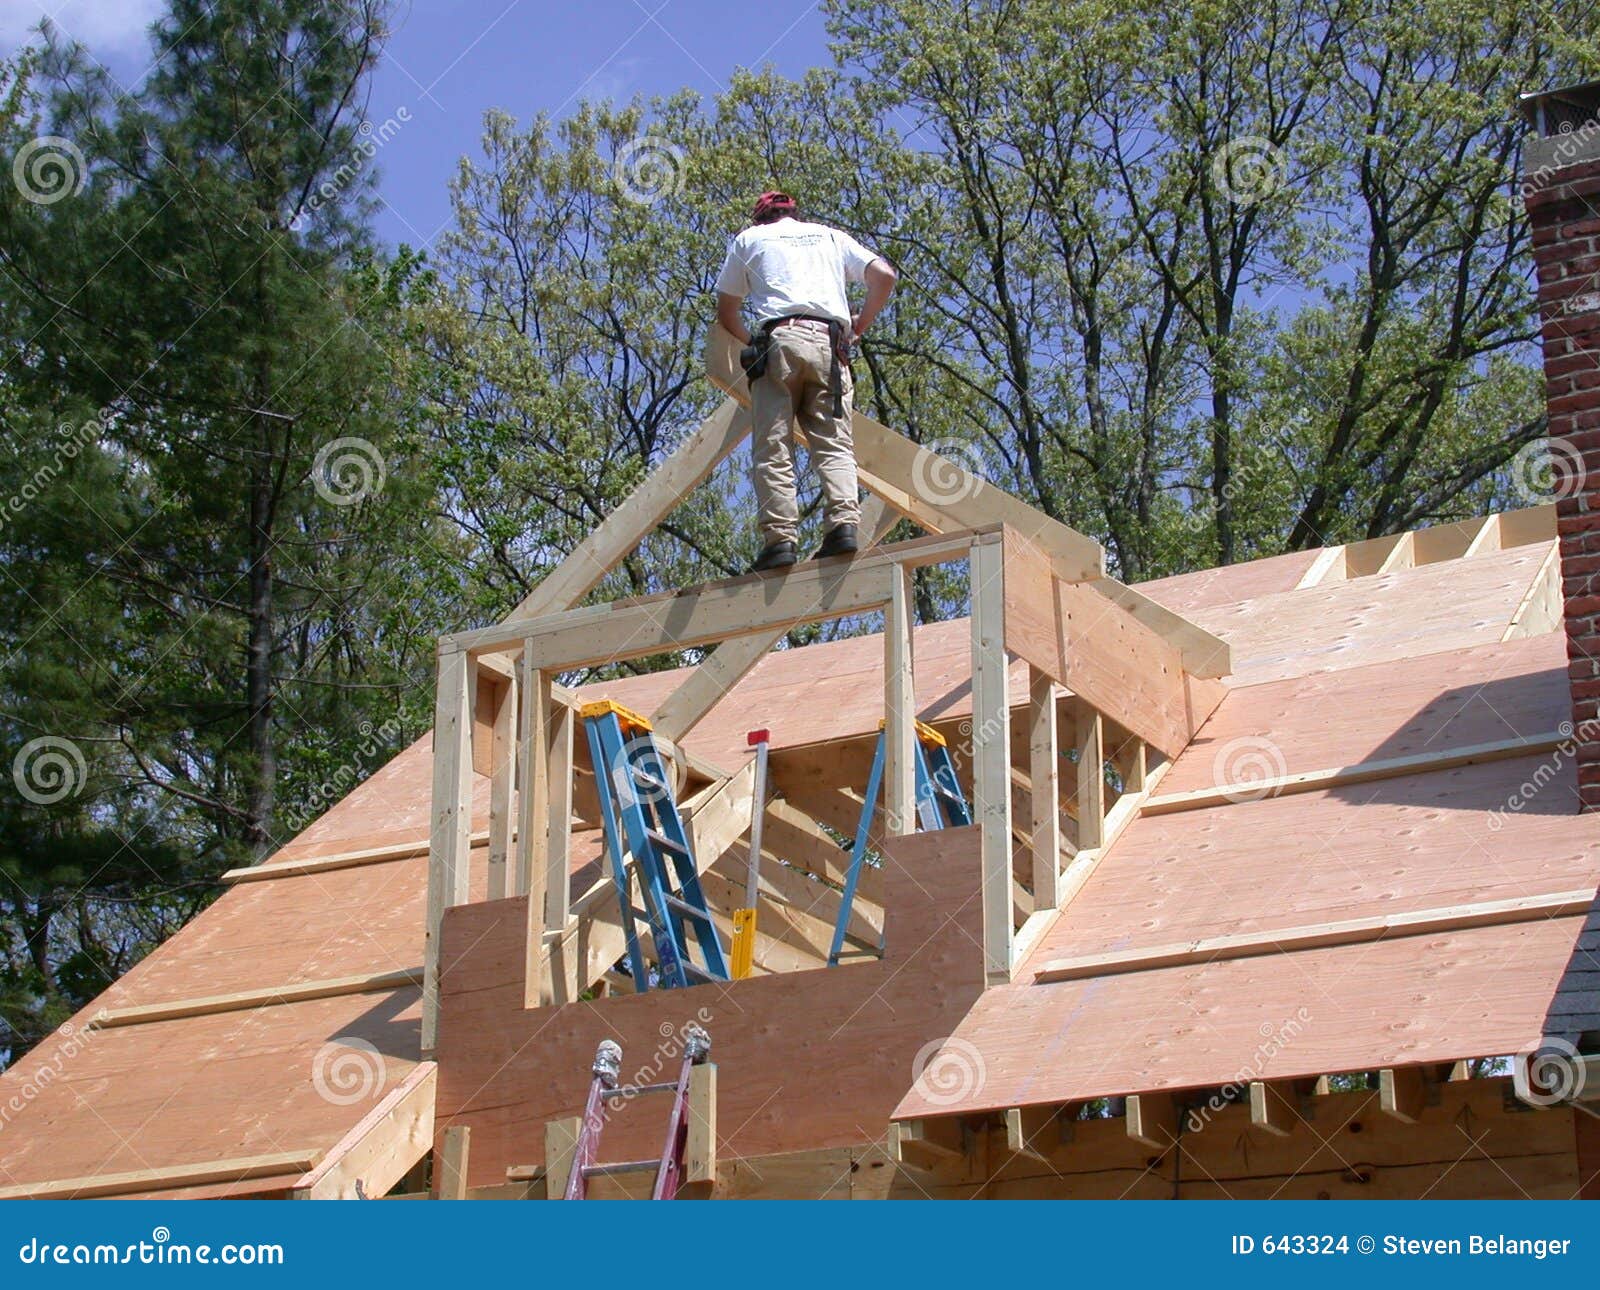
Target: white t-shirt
[[793, 267]]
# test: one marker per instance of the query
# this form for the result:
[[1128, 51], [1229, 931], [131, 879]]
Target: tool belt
[[753, 357]]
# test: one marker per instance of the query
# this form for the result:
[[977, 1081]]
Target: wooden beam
[[1403, 1092], [383, 1146], [533, 834], [1044, 774], [927, 1144], [1091, 780], [450, 1168], [1273, 1106], [171, 1178], [449, 841], [622, 530], [900, 712], [1101, 652], [714, 611], [700, 1147], [1541, 607], [942, 496], [270, 996], [559, 769], [337, 860], [560, 1153], [991, 753], [1152, 1119], [1035, 1131], [1329, 566], [1203, 653], [734, 659], [1307, 781], [502, 784], [1350, 931]]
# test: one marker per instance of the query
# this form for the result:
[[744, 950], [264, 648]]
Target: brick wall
[[1564, 209]]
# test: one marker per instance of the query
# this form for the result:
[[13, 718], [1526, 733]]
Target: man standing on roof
[[795, 274]]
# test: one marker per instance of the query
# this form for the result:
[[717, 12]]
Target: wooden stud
[[991, 753], [560, 1153], [1091, 780], [533, 835], [559, 768], [450, 1174], [927, 1144], [1402, 1092], [502, 783], [900, 712], [1036, 1131], [1044, 761], [700, 1148], [450, 838], [1152, 1119], [1541, 607], [1272, 1107]]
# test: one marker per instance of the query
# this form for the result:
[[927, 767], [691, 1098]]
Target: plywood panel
[[1424, 999], [205, 1088], [1460, 698], [811, 1059], [1387, 847], [1406, 614]]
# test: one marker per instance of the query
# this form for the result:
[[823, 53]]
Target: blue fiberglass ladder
[[940, 805], [640, 817]]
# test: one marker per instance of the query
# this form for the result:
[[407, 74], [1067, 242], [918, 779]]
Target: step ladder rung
[[695, 970], [645, 779], [621, 1167], [666, 843], [637, 1090], [684, 907]]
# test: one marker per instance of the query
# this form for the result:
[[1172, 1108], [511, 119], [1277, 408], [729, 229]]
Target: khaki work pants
[[794, 392]]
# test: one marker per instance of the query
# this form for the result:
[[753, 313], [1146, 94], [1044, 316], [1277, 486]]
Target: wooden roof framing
[[1204, 909]]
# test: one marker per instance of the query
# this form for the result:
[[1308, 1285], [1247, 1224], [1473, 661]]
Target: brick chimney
[[1561, 189]]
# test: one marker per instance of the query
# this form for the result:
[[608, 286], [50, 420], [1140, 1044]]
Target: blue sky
[[449, 60]]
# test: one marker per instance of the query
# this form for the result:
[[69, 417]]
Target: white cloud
[[107, 27]]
